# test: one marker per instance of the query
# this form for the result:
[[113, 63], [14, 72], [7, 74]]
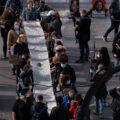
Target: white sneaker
[[104, 39]]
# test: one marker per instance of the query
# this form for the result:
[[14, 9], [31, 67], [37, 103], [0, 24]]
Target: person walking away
[[115, 93], [83, 36], [100, 95], [60, 112], [39, 109], [114, 18], [22, 107]]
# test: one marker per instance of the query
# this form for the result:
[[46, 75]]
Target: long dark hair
[[105, 54], [7, 15]]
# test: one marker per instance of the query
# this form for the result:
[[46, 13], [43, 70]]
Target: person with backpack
[[60, 112], [39, 110], [115, 93], [74, 105]]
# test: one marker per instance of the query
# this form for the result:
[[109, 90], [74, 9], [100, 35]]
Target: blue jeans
[[99, 105], [114, 25], [26, 13], [116, 62], [84, 50]]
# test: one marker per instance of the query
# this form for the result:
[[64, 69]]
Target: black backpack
[[115, 105], [37, 115]]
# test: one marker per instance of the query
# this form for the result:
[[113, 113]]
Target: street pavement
[[7, 88], [98, 28]]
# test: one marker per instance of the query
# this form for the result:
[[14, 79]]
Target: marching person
[[83, 36], [114, 17]]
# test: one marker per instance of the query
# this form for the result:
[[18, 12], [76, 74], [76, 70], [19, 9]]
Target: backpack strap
[[38, 113]]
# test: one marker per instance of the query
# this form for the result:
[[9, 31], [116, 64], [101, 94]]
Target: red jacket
[[72, 109]]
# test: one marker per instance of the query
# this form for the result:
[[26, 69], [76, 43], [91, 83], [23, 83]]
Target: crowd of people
[[15, 44]]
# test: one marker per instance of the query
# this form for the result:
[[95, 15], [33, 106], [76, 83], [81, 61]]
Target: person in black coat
[[115, 93], [39, 110], [103, 58], [83, 36], [60, 112], [100, 95], [114, 17]]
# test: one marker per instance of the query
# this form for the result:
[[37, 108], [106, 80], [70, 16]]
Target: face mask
[[23, 40], [63, 65], [68, 82], [17, 27]]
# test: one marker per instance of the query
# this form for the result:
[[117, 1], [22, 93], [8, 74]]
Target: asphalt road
[[98, 27], [7, 88]]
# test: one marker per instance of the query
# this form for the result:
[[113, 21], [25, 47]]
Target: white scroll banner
[[39, 54]]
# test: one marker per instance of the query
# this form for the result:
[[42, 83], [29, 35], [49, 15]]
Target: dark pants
[[4, 45], [84, 50], [114, 25]]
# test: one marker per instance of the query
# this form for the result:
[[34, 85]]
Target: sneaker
[[94, 112], [104, 39], [100, 117]]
